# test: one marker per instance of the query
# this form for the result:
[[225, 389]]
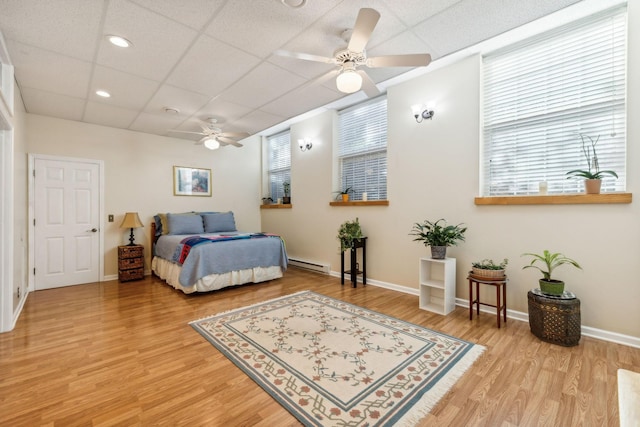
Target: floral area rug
[[331, 363]]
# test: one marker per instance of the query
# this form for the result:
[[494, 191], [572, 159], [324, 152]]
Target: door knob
[[93, 230]]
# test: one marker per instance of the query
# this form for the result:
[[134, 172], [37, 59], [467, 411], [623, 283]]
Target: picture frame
[[188, 181]]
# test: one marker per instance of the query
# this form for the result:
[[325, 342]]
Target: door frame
[[32, 160]]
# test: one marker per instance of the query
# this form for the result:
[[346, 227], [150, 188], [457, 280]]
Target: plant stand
[[554, 319], [354, 271]]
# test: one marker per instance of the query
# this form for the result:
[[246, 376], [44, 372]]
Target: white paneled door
[[66, 208]]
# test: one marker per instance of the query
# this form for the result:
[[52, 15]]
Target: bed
[[203, 252]]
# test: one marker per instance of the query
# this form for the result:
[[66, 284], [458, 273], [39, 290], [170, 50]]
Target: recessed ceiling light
[[119, 41], [103, 93]]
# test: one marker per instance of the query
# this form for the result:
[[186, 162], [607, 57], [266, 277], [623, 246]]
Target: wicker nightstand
[[555, 319], [130, 263]]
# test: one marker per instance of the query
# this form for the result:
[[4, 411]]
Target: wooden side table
[[354, 271], [130, 262], [555, 319], [501, 298]]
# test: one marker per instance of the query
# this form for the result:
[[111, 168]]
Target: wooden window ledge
[[361, 203], [560, 199], [277, 206]]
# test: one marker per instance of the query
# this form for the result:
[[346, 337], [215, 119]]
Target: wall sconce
[[421, 112], [131, 220], [305, 144]]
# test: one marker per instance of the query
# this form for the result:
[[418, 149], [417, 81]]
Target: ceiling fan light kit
[[350, 77], [348, 81], [211, 144]]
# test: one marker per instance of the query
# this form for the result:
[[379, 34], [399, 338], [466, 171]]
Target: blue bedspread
[[219, 256]]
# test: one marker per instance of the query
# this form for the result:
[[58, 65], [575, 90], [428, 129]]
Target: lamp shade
[[131, 220], [349, 81], [211, 143]]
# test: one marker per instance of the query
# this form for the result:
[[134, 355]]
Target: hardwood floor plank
[[122, 354]]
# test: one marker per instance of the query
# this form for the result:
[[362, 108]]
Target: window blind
[[279, 168], [362, 149], [541, 95]]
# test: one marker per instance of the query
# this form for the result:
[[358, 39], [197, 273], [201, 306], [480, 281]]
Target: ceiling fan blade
[[368, 85], [365, 23], [224, 140], [411, 60], [201, 140], [305, 56], [234, 134], [185, 131]]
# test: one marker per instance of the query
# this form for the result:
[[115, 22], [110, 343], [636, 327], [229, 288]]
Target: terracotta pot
[[345, 197], [592, 186]]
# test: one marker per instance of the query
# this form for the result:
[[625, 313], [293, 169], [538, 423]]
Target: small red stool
[[501, 297]]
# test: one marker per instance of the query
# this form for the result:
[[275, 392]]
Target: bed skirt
[[170, 273]]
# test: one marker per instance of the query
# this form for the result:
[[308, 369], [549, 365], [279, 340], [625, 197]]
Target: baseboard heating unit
[[307, 265]]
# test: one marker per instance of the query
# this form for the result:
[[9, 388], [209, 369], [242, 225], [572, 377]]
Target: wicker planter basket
[[487, 274], [554, 320]]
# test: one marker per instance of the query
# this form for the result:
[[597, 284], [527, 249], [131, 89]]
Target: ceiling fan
[[350, 78], [213, 137]]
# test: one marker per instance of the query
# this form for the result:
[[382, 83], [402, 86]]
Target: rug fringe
[[249, 306], [422, 408]]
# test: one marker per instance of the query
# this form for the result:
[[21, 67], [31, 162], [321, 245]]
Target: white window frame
[[279, 171], [529, 138], [362, 149]]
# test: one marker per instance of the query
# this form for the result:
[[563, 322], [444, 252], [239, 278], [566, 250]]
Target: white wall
[[139, 175], [433, 173]]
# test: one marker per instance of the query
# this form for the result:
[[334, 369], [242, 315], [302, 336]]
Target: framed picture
[[191, 181]]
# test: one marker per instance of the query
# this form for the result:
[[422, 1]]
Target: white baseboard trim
[[587, 331]]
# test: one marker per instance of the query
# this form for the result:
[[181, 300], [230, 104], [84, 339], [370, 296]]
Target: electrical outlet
[[18, 292], [110, 218]]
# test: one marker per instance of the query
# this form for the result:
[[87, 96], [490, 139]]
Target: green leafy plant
[[488, 264], [550, 262], [438, 233], [345, 191], [286, 187], [591, 156], [348, 232]]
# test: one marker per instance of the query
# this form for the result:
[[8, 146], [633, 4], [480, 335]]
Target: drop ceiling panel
[[52, 104], [210, 66], [108, 115], [263, 84], [51, 72], [412, 12], [260, 27], [127, 91], [158, 124], [257, 121], [72, 28], [301, 101], [158, 42], [193, 13], [223, 111], [185, 101]]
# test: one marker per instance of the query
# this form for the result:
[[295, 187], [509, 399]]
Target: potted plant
[[488, 269], [267, 200], [344, 194], [550, 262], [438, 235], [348, 232], [593, 175], [286, 187]]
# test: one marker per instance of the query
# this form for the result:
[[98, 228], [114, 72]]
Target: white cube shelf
[[438, 285]]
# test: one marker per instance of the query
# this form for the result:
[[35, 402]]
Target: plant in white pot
[[550, 262], [593, 175], [438, 235]]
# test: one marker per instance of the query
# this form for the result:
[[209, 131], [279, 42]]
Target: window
[[543, 95], [279, 167], [362, 149]]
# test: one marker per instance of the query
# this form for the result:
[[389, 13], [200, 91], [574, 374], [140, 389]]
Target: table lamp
[[131, 220]]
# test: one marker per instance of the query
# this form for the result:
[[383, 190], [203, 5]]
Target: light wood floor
[[122, 354]]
